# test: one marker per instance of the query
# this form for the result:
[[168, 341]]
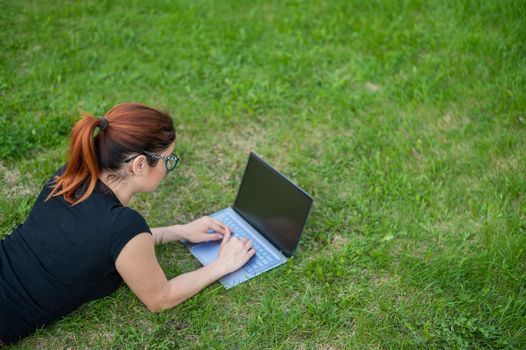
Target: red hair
[[128, 128]]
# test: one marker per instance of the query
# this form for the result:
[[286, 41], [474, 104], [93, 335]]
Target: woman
[[81, 240]]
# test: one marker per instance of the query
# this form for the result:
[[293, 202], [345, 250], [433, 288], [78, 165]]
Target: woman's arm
[[167, 234], [139, 268]]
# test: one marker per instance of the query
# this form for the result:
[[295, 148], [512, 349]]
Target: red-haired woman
[[81, 240]]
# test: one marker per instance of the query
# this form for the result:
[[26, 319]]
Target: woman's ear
[[139, 165]]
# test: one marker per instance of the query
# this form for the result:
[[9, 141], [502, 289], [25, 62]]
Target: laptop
[[271, 211]]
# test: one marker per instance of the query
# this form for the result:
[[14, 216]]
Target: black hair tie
[[103, 123]]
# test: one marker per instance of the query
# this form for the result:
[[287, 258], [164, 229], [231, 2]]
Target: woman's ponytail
[[83, 167]]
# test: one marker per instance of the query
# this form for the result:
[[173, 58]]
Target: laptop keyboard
[[262, 258]]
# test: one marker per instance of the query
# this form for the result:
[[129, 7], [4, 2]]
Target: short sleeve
[[127, 224]]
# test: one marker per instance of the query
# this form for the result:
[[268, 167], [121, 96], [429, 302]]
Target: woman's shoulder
[[125, 219], [126, 214]]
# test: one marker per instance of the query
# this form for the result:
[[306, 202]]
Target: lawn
[[405, 120]]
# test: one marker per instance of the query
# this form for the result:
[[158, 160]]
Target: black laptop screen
[[272, 204]]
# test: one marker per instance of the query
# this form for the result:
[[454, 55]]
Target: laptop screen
[[272, 204]]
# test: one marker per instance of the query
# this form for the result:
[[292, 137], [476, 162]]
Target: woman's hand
[[234, 252], [197, 230]]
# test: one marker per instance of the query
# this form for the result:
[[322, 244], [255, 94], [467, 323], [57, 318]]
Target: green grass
[[406, 120]]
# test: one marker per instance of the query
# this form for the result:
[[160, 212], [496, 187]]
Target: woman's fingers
[[214, 236], [218, 226], [240, 245], [248, 244], [226, 237], [218, 232]]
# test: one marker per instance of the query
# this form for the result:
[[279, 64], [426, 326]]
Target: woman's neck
[[121, 189]]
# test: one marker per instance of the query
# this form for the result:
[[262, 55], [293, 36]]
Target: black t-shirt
[[62, 257]]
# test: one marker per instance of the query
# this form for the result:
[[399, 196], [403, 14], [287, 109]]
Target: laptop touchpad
[[206, 252]]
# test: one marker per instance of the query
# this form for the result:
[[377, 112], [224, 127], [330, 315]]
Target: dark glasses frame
[[172, 156]]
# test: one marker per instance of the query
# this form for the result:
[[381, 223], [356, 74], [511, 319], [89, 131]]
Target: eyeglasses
[[170, 162]]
